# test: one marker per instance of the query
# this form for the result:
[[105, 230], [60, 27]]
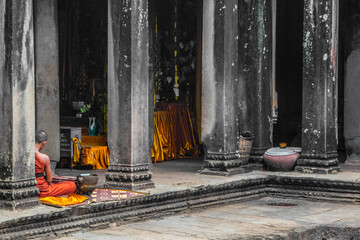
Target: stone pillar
[[47, 75], [128, 95], [255, 65], [219, 77], [17, 106], [319, 121]]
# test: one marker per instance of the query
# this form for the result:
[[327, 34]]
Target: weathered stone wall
[[352, 86], [47, 74]]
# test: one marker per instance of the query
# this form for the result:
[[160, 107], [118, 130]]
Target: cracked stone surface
[[184, 174], [256, 219]]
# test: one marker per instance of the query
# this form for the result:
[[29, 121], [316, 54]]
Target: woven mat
[[104, 194]]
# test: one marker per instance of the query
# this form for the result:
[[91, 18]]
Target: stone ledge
[[103, 214]]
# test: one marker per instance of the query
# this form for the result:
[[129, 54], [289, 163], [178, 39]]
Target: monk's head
[[40, 138]]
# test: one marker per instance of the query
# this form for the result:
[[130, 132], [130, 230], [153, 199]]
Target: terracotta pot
[[280, 159]]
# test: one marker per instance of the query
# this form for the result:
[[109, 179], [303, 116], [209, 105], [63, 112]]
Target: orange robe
[[51, 189]]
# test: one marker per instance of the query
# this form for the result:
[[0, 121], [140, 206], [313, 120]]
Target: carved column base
[[330, 170], [19, 203], [256, 160], [18, 195], [322, 165], [225, 164], [129, 177]]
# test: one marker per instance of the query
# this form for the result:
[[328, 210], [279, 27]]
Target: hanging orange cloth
[[51, 189], [76, 150], [163, 147], [173, 133], [72, 199], [183, 132]]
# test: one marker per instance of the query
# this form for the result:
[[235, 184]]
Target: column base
[[18, 195], [129, 177], [19, 204], [322, 166], [320, 170], [226, 172], [256, 160], [224, 165], [129, 186]]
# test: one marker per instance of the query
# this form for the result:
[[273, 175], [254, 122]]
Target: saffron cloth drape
[[173, 133]]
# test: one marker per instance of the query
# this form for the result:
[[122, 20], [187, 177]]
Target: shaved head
[[40, 136]]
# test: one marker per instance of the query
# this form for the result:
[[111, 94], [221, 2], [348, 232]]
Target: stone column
[[255, 65], [128, 95], [17, 106], [220, 72], [47, 75], [319, 121]]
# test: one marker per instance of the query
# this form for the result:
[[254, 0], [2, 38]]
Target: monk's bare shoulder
[[45, 158]]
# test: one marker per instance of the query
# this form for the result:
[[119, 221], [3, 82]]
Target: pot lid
[[280, 151]]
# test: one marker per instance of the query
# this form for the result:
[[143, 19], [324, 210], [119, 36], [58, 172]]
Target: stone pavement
[[182, 174], [266, 218], [179, 188]]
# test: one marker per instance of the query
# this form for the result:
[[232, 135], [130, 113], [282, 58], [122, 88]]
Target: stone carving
[[17, 185], [120, 168]]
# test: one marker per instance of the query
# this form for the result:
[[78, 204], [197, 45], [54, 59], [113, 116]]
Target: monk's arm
[[48, 169]]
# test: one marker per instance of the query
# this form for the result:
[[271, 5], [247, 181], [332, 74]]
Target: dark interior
[[289, 30], [83, 61]]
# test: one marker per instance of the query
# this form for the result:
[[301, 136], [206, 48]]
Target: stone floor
[[183, 174], [180, 175], [266, 218]]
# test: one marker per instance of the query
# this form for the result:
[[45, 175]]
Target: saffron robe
[[51, 189]]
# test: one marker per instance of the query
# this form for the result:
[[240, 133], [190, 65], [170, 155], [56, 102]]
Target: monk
[[42, 165]]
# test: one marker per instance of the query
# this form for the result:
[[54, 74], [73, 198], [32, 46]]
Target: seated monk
[[42, 164]]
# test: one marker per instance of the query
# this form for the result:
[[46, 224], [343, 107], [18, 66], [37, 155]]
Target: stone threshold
[[106, 214]]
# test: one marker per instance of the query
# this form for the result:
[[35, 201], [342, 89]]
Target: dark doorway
[[83, 57], [289, 38], [175, 50], [348, 80], [83, 70]]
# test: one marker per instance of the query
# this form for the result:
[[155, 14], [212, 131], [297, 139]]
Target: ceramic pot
[[87, 182], [280, 159]]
